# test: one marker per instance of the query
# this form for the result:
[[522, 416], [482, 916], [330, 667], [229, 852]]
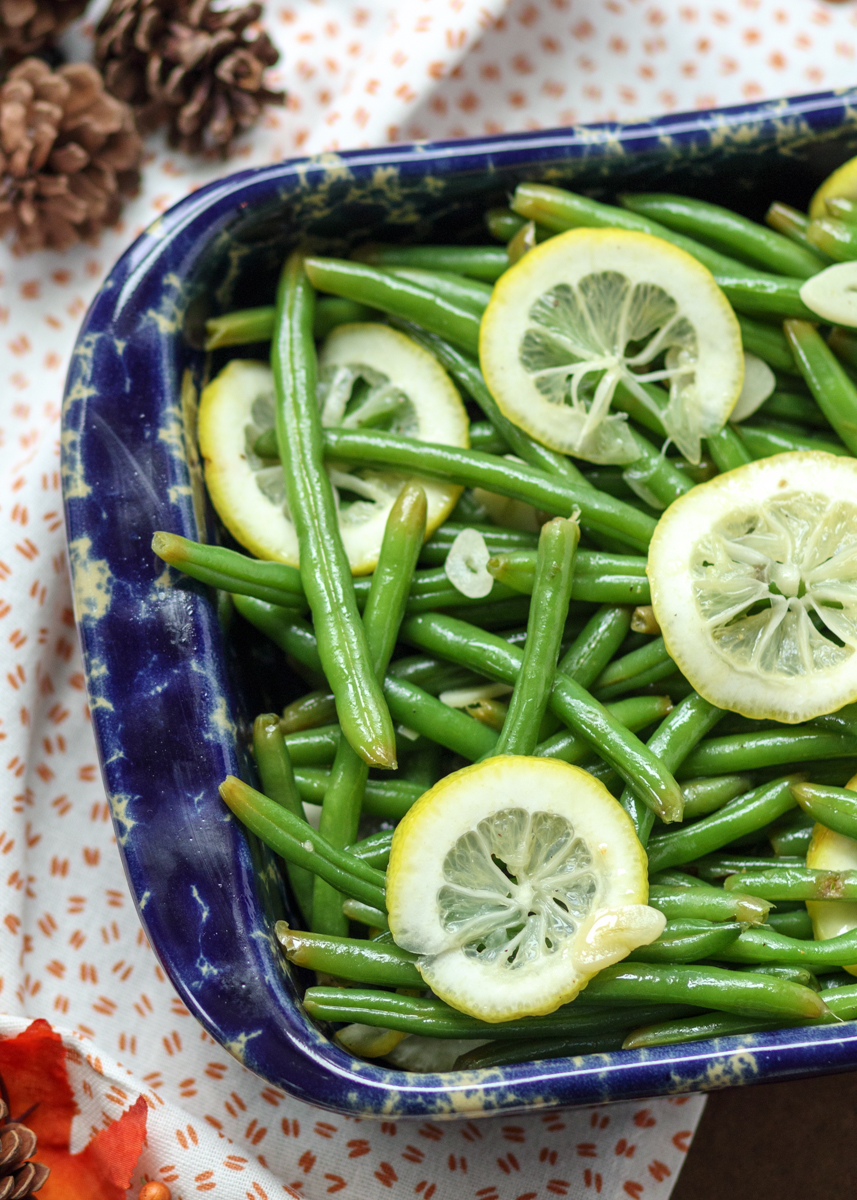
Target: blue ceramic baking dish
[[171, 695]]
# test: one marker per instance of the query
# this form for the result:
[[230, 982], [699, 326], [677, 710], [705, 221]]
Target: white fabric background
[[71, 948]]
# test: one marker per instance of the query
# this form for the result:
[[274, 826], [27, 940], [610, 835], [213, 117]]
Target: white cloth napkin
[[72, 949]]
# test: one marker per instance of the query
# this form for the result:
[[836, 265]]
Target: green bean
[[635, 714], [687, 940], [762, 441], [843, 721], [793, 224], [479, 262], [431, 1017], [712, 1025], [706, 987], [387, 798], [499, 541], [548, 612], [841, 207], [257, 324], [621, 675], [828, 381], [504, 1054], [559, 210], [278, 780], [653, 477], [767, 342], [790, 834], [374, 849], [728, 450], [399, 297], [450, 727], [503, 224], [286, 629], [433, 674], [637, 765], [741, 816], [497, 614], [765, 296], [385, 607], [313, 747], [273, 582], [350, 958], [835, 808], [484, 437], [600, 578], [796, 883], [766, 944], [325, 570], [789, 407], [309, 712], [769, 748], [466, 293], [595, 645], [365, 914], [795, 974], [706, 795], [465, 371], [727, 231], [297, 842], [795, 924], [837, 239], [843, 343], [714, 867], [703, 902], [450, 464]]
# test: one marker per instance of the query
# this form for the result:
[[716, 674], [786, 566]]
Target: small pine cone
[[68, 153], [187, 65], [28, 25], [20, 1178]]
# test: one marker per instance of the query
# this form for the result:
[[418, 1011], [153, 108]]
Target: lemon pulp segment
[[591, 308], [368, 374], [516, 880], [754, 585]]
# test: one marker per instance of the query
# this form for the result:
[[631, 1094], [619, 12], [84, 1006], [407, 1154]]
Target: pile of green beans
[[401, 678]]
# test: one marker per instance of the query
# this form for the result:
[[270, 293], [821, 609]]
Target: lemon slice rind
[[754, 585], [599, 302], [248, 492], [830, 851], [500, 944]]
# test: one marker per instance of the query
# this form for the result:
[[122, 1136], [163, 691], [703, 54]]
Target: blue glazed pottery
[[172, 696]]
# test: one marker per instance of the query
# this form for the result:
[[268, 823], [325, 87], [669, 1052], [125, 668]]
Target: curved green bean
[[498, 540], [479, 262], [599, 578], [325, 570], [836, 808], [296, 841], [635, 713], [793, 224], [450, 727], [700, 901], [644, 773], [458, 289], [308, 712], [286, 629], [716, 867], [706, 795], [793, 924], [472, 469], [622, 674], [837, 239], [767, 342], [687, 940], [728, 450], [795, 883], [548, 612], [828, 381], [387, 798], [365, 914], [273, 582], [761, 441], [766, 944], [727, 231], [278, 780], [350, 958], [597, 642], [787, 406], [737, 818], [374, 849], [505, 1054], [768, 748]]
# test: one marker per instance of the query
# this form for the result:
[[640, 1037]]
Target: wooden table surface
[[792, 1141]]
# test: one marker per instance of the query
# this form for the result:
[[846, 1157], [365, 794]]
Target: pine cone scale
[[189, 65]]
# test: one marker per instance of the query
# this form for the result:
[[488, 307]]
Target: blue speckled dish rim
[[156, 667]]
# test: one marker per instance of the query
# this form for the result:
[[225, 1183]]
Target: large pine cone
[[27, 25], [18, 1177], [183, 64], [68, 152]]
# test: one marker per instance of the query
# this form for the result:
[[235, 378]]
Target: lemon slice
[[754, 586], [593, 307], [841, 182], [368, 375], [516, 880], [829, 851]]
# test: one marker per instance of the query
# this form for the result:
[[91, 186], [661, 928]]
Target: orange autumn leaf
[[33, 1069]]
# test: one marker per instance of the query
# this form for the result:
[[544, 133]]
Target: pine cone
[[19, 1179], [183, 64], [68, 152], [27, 25]]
